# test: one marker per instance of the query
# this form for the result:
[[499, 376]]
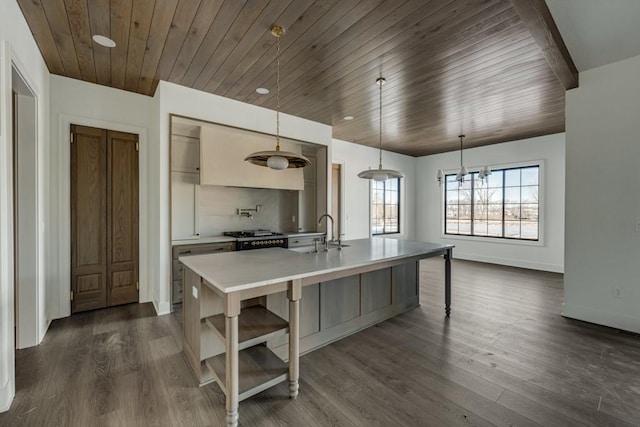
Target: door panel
[[122, 218], [88, 219], [104, 218]]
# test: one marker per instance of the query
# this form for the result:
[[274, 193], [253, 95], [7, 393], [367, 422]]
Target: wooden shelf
[[259, 369], [256, 325]]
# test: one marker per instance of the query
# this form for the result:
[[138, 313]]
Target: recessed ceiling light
[[348, 117], [262, 90], [103, 41]]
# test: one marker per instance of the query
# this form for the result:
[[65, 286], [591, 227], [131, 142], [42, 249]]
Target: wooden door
[[104, 218]]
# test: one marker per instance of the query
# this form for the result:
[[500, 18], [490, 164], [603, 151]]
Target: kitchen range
[[258, 239]]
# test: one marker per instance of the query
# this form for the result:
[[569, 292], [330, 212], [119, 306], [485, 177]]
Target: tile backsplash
[[218, 210]]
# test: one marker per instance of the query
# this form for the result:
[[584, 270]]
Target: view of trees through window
[[505, 204], [385, 206]]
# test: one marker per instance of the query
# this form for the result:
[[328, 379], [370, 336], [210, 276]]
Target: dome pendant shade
[[380, 174], [276, 159]]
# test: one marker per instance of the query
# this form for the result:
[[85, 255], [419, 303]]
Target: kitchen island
[[246, 313]]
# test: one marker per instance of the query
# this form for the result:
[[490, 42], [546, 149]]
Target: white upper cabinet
[[222, 153], [185, 154]]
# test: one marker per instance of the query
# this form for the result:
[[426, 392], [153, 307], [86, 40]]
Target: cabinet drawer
[[202, 248]]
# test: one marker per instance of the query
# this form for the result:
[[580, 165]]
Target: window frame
[[400, 194], [495, 239]]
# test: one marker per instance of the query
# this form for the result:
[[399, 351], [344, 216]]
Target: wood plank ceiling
[[450, 65]]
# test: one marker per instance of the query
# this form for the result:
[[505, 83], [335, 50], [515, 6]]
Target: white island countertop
[[237, 271]]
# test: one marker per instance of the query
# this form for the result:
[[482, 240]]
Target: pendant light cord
[[380, 82], [461, 136], [278, 95]]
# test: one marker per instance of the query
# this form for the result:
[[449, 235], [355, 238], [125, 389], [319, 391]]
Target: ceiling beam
[[536, 16]]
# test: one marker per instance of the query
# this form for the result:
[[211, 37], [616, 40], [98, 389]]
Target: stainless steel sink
[[311, 249]]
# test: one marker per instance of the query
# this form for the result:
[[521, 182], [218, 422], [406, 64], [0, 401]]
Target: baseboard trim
[[6, 396], [510, 262], [161, 307], [612, 320]]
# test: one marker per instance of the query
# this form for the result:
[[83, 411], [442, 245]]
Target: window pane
[[529, 212], [452, 227], [530, 194], [465, 196], [529, 230], [495, 179], [464, 212], [391, 197], [512, 195], [452, 211], [530, 175], [481, 195], [494, 228], [512, 178], [512, 229], [480, 211], [495, 212], [511, 212], [495, 195], [480, 228], [452, 196], [465, 227]]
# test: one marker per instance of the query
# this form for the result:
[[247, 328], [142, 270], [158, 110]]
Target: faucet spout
[[329, 217]]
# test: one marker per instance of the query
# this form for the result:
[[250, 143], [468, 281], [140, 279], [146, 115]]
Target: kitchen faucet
[[326, 240]]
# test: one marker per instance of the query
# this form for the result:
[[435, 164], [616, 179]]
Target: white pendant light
[[380, 174], [278, 159], [482, 173]]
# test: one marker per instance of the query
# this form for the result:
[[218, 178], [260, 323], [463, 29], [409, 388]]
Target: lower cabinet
[[337, 308], [194, 249]]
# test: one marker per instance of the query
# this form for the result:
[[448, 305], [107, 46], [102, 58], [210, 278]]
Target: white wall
[[603, 197], [545, 256], [357, 194], [18, 46], [82, 103], [175, 99]]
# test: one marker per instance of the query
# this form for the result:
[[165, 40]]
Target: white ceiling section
[[598, 32]]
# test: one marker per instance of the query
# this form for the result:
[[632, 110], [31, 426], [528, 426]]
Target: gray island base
[[249, 315]]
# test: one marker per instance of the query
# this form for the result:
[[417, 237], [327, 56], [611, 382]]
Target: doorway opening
[[336, 197], [27, 296]]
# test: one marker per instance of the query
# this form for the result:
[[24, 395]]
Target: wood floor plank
[[504, 357]]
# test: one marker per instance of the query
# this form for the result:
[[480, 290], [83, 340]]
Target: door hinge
[[137, 146], [71, 138], [71, 295], [137, 286]]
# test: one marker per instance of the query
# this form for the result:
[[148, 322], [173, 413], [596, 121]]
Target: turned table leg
[[294, 294], [231, 380], [447, 282]]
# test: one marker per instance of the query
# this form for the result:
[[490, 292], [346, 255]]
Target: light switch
[[195, 292], [637, 226]]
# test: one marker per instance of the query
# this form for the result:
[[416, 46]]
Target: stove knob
[[253, 243]]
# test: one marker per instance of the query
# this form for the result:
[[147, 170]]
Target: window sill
[[498, 240]]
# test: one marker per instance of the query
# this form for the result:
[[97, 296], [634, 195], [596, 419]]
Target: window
[[503, 205], [385, 206]]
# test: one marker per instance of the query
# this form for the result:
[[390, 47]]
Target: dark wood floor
[[505, 357]]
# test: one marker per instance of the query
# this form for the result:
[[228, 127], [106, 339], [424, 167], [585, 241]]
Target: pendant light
[[482, 173], [380, 174], [278, 159]]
